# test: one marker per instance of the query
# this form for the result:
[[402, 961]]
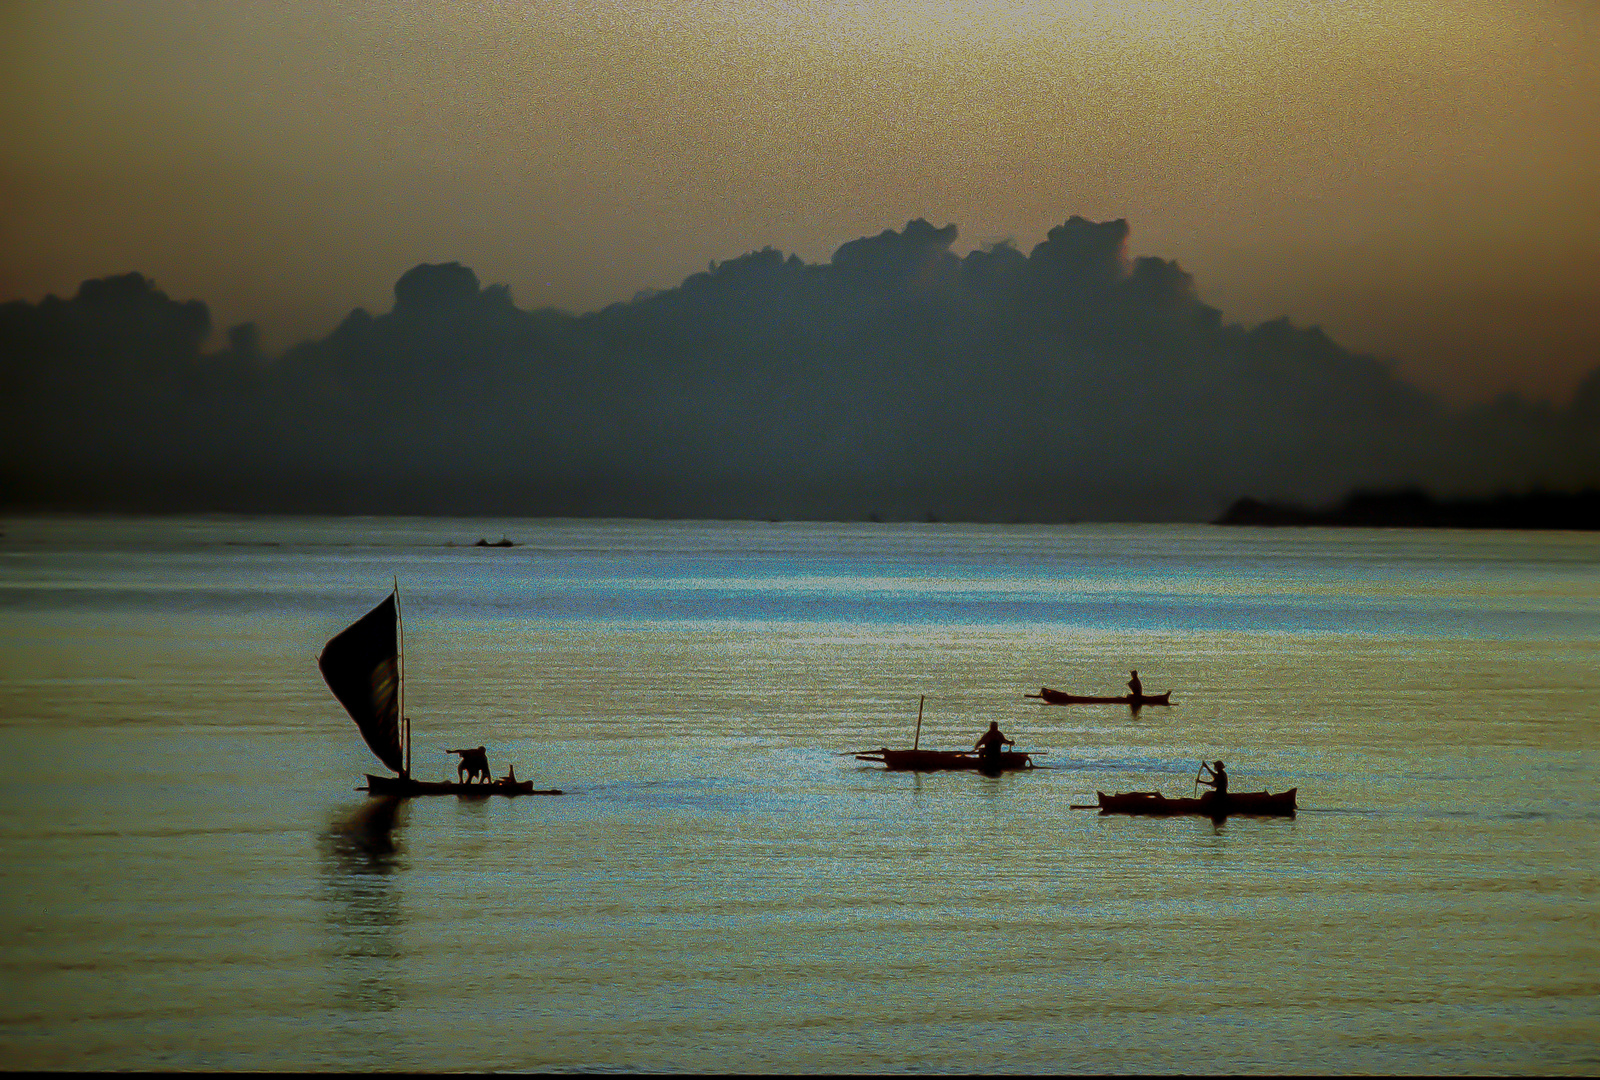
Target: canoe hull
[[1153, 803], [1058, 697], [394, 785], [944, 760]]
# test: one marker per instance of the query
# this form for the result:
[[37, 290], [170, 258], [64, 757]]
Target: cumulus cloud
[[896, 380]]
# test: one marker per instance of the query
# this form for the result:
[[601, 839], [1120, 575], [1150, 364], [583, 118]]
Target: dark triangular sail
[[361, 665]]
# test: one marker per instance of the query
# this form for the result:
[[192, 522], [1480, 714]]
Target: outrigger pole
[[400, 627]]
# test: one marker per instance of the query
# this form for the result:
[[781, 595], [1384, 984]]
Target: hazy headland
[[896, 381]]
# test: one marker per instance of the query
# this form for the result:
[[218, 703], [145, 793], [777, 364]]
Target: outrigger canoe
[[944, 760], [396, 785], [1263, 803], [918, 760], [1058, 697]]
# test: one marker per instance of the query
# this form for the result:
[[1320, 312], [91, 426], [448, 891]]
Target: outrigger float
[[364, 666], [1059, 697]]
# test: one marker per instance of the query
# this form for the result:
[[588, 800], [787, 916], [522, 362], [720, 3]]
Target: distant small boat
[[1058, 697], [945, 760], [1261, 803], [364, 666]]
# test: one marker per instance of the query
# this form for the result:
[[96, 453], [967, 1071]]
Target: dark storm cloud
[[897, 379]]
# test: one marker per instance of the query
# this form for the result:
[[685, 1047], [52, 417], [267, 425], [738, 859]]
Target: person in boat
[[1135, 687], [510, 778], [989, 743], [1218, 782], [474, 765]]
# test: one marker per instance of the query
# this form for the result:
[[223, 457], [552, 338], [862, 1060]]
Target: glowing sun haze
[[1419, 178]]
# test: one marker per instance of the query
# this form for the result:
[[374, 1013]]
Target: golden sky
[[1422, 179]]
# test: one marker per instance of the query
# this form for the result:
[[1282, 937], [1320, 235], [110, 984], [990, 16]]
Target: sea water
[[189, 879]]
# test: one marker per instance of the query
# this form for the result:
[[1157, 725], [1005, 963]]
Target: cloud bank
[[898, 381]]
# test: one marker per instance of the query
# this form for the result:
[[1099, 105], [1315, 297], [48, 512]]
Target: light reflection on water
[[363, 911], [190, 880]]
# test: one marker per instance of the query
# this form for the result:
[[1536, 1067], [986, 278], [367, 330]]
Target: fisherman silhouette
[[1135, 685], [474, 763], [1218, 782], [989, 743]]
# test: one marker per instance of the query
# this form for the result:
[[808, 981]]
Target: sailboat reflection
[[360, 857]]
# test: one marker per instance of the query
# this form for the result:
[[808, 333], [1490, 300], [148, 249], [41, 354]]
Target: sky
[[1417, 178]]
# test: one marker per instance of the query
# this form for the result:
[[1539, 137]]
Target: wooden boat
[[919, 760], [1262, 803], [395, 785], [364, 666], [916, 760], [1058, 697]]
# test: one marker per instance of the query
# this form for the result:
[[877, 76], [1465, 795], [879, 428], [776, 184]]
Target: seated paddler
[[1218, 782], [1135, 687], [989, 743]]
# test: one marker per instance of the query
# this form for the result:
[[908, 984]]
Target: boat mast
[[400, 629]]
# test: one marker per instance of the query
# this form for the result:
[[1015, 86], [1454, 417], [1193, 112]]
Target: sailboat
[[364, 666]]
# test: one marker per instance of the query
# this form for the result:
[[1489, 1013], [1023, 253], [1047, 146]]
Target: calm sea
[[188, 878]]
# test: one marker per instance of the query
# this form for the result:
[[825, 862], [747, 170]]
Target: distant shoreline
[[1415, 509], [1407, 509]]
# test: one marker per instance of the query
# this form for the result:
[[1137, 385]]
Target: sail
[[361, 665]]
